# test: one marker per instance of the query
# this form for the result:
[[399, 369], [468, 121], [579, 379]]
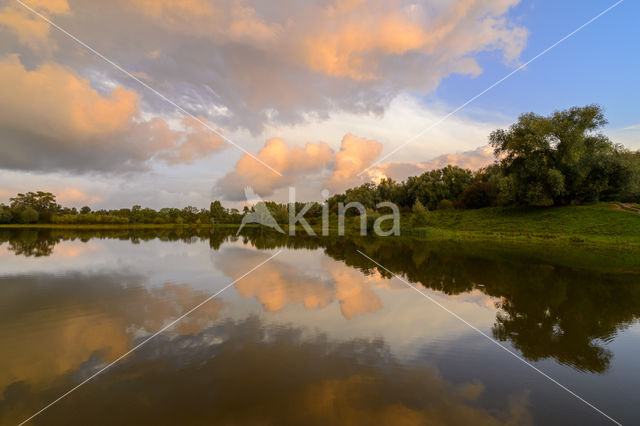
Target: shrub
[[445, 205], [419, 215], [478, 195]]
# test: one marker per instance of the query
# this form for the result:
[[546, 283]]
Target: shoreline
[[426, 234], [600, 225]]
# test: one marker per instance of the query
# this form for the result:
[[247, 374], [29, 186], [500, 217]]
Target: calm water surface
[[318, 335]]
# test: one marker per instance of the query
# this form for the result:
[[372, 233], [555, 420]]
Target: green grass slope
[[600, 223]]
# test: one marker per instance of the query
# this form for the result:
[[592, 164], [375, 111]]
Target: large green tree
[[39, 201], [559, 158], [217, 212], [43, 203]]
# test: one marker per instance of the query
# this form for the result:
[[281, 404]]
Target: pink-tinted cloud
[[53, 119], [291, 162], [354, 156], [31, 30], [74, 197], [232, 20], [276, 64]]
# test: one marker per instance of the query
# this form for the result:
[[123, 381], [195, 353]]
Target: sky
[[168, 103]]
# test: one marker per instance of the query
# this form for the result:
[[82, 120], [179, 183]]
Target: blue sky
[[599, 64]]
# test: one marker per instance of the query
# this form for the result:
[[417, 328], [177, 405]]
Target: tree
[[364, 194], [135, 214], [5, 214], [38, 201], [190, 214], [29, 215], [388, 190], [559, 158], [436, 185], [85, 210], [218, 213], [630, 191], [44, 203]]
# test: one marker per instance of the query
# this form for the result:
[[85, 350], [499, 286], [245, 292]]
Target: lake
[[318, 334]]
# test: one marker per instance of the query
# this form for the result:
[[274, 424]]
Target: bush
[[478, 195], [445, 205], [419, 215]]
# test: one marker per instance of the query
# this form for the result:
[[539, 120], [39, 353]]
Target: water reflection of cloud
[[72, 249], [56, 323], [245, 372], [294, 281], [280, 283], [354, 290]]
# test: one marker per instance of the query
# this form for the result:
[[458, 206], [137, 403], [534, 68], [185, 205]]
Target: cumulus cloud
[[52, 119], [232, 20], [241, 65], [354, 156], [290, 162], [31, 30], [245, 64]]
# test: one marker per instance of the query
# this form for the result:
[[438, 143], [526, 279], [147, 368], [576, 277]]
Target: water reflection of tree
[[42, 242], [28, 244], [546, 310], [566, 315]]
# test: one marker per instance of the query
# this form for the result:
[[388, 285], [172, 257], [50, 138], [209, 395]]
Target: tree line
[[542, 161], [41, 207]]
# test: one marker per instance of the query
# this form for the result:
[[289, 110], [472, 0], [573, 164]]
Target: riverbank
[[601, 224]]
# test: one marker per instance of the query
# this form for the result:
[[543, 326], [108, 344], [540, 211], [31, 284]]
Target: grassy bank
[[600, 224], [595, 224]]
